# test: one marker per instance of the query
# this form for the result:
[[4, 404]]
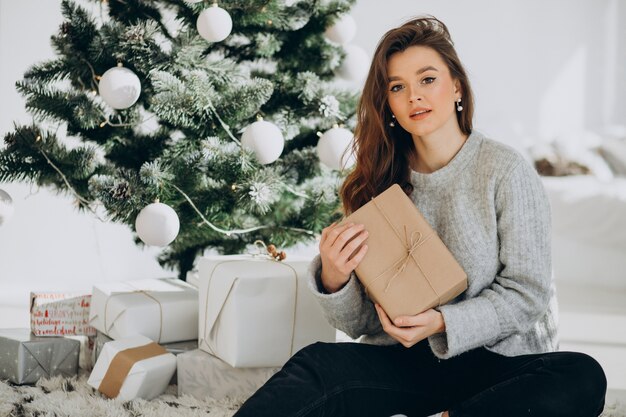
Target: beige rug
[[73, 397]]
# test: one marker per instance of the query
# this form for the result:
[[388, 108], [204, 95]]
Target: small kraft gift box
[[407, 268], [203, 376], [60, 314], [164, 310], [25, 358], [175, 348], [256, 311], [134, 367]]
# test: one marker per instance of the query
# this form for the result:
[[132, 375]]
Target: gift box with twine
[[407, 268]]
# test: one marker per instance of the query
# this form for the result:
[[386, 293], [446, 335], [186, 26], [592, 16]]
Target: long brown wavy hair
[[383, 152]]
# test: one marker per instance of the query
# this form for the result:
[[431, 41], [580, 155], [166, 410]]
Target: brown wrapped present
[[407, 268]]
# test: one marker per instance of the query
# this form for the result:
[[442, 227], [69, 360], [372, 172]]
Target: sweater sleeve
[[349, 309], [520, 292]]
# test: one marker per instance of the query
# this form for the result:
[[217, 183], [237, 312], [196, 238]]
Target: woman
[[486, 353]]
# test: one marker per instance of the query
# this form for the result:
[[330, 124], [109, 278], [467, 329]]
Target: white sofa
[[589, 262]]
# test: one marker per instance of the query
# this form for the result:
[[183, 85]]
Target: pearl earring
[[458, 105], [391, 123]]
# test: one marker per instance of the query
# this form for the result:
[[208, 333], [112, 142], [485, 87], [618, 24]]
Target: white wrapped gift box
[[203, 376], [257, 312], [165, 310], [147, 378]]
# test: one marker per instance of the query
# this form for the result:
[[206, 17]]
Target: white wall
[[538, 67]]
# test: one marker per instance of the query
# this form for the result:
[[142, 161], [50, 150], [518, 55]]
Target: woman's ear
[[457, 87]]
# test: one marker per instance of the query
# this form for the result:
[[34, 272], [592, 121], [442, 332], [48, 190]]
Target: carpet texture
[[65, 397]]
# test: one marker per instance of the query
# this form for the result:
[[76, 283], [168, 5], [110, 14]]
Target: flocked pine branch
[[180, 142]]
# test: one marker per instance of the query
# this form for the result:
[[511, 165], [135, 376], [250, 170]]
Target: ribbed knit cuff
[[469, 324]]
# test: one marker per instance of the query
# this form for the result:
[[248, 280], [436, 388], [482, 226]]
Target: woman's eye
[[428, 80], [395, 88]]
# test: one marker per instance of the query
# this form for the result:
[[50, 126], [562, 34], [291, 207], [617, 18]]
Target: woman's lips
[[420, 116]]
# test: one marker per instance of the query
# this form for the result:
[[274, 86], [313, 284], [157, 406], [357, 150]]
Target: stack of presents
[[223, 334], [241, 321]]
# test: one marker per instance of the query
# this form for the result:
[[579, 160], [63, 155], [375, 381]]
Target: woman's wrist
[[329, 286], [442, 323], [330, 289]]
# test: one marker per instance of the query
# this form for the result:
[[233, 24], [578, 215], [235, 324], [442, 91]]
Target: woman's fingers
[[325, 232], [352, 246], [411, 321], [343, 237], [356, 259], [384, 318], [408, 336], [342, 248], [333, 232]]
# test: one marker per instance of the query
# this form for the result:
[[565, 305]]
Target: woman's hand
[[409, 330], [341, 250]]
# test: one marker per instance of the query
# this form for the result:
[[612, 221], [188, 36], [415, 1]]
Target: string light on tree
[[6, 207], [264, 139], [355, 65], [119, 87], [342, 31], [334, 148], [214, 23], [157, 224]]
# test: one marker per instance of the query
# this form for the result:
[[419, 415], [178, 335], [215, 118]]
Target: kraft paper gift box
[[60, 314], [25, 358], [203, 376], [134, 367], [165, 310], [407, 268], [256, 311]]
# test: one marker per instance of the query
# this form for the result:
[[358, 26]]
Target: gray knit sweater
[[489, 207]]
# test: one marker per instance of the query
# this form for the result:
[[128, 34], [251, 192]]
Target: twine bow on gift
[[414, 245], [269, 251], [411, 244]]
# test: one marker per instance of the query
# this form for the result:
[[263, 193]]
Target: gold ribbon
[[121, 365], [144, 292], [411, 245], [206, 303]]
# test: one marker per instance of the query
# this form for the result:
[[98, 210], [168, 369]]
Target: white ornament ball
[[157, 224], [265, 140], [343, 30], [6, 207], [334, 148], [356, 64], [119, 87], [214, 24]]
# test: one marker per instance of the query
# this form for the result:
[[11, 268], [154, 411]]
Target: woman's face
[[421, 92]]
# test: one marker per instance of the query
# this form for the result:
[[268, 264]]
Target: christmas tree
[[163, 100]]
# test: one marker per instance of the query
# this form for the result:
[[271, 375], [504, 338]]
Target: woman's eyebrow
[[418, 72]]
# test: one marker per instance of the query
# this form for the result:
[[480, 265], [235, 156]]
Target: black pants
[[351, 379]]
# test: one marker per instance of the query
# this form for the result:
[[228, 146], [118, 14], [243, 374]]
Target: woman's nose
[[414, 95]]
